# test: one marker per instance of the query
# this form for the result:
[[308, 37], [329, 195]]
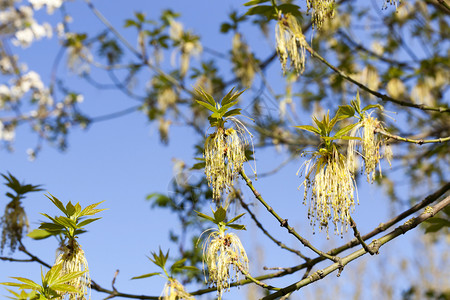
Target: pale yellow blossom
[[72, 258], [224, 253], [224, 156], [290, 44], [331, 186], [371, 145], [174, 290], [320, 11]]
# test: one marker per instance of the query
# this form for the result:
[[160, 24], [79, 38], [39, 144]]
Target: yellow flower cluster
[[331, 186], [221, 252], [371, 145], [14, 224], [290, 43], [321, 9], [174, 290], [72, 258], [224, 156]]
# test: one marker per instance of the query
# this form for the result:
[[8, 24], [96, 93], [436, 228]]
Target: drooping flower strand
[[330, 185], [72, 259], [321, 10], [174, 290], [225, 148], [14, 224], [223, 253], [290, 44], [224, 156], [371, 144]]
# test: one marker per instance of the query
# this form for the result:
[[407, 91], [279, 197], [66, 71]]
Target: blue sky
[[121, 161]]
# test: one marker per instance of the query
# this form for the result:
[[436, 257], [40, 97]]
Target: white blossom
[[51, 4], [25, 37]]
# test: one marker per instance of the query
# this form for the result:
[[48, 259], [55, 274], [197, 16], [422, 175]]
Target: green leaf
[[58, 203], [356, 103], [254, 2], [70, 209], [146, 275], [159, 199], [67, 277], [16, 284], [39, 234], [51, 227], [308, 128], [433, 228], [61, 287], [263, 10], [198, 166], [140, 16], [52, 274], [205, 216], [225, 27], [373, 106], [332, 122], [66, 222], [230, 97], [216, 115], [344, 130], [28, 282], [321, 126], [205, 96], [90, 210], [88, 221], [220, 214], [237, 226], [345, 111], [207, 105], [235, 218], [233, 112], [224, 108], [178, 264], [288, 8], [129, 23]]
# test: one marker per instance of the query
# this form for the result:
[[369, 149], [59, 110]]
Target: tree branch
[[260, 226], [376, 244], [358, 237], [420, 142], [284, 222], [367, 89]]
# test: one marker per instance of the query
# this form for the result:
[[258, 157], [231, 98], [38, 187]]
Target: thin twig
[[33, 257], [358, 237], [261, 284], [284, 222], [420, 142], [15, 259], [367, 89], [260, 226]]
